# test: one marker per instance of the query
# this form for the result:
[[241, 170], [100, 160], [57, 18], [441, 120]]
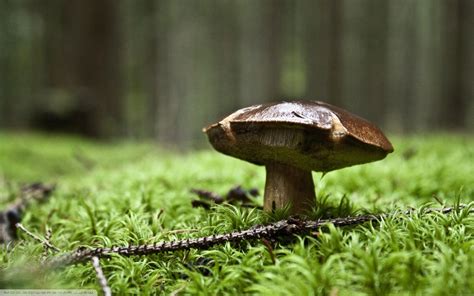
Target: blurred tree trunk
[[465, 62], [322, 27], [375, 61], [355, 21], [273, 16], [166, 68], [458, 60], [223, 83], [428, 46], [292, 65], [5, 84], [168, 115], [162, 79], [139, 66], [260, 51], [20, 61], [186, 79], [84, 59], [400, 65]]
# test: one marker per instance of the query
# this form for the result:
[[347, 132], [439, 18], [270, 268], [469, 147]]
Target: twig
[[13, 213], [202, 193], [47, 237], [38, 191], [235, 196], [269, 249], [438, 199], [238, 194], [200, 203], [160, 213], [101, 277], [37, 238], [283, 228]]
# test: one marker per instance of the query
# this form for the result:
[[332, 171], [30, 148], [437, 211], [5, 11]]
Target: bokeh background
[[163, 69]]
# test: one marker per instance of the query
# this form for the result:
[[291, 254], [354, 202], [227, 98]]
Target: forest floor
[[125, 193]]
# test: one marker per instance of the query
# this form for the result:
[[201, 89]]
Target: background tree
[[162, 69]]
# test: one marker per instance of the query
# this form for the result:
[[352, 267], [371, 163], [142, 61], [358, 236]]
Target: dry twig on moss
[[101, 277], [283, 228], [45, 242], [13, 213]]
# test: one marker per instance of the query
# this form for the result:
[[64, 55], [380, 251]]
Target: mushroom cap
[[310, 135]]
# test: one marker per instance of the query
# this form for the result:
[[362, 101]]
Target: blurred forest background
[[163, 69]]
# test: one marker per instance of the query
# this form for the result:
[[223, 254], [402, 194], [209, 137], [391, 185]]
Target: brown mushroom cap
[[309, 135]]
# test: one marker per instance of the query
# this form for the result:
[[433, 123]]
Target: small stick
[[438, 199], [47, 238], [160, 213], [200, 203], [208, 195], [48, 235], [101, 277], [269, 249], [13, 213], [37, 238], [280, 228]]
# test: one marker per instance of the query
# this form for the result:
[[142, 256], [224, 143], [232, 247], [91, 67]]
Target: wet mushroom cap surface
[[309, 135]]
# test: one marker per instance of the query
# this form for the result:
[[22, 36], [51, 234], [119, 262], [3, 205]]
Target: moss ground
[[112, 194]]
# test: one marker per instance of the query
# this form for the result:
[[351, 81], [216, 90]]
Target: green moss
[[113, 193]]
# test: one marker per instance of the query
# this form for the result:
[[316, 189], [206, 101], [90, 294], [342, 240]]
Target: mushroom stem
[[288, 185]]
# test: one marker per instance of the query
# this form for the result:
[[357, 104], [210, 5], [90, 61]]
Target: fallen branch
[[235, 196], [45, 242], [101, 277], [283, 228], [47, 245], [13, 213]]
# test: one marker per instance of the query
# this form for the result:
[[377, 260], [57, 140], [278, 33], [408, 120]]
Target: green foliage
[[122, 193]]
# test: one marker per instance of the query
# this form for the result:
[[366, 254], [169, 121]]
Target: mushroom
[[292, 139]]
